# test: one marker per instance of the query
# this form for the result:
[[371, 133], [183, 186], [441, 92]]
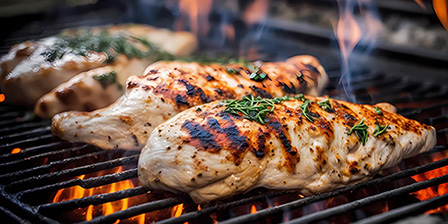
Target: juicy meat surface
[[211, 154], [168, 88], [27, 73]]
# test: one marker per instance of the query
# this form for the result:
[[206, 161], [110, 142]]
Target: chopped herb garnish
[[325, 105], [360, 130], [107, 79], [232, 71], [300, 97], [83, 41], [380, 129], [257, 74], [305, 112], [378, 110], [254, 108]]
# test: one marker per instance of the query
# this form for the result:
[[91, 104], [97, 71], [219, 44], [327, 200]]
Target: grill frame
[[38, 143]]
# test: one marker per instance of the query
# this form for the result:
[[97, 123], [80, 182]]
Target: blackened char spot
[[232, 133], [209, 78], [181, 100], [205, 138], [285, 142], [132, 85], [286, 88], [300, 78], [312, 68], [261, 92], [219, 91], [203, 96], [261, 145], [191, 90], [348, 117], [135, 139]]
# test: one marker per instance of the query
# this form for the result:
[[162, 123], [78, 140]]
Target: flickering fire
[[441, 9], [16, 150], [435, 191], [2, 97], [253, 209], [92, 211], [177, 210], [197, 12], [256, 11]]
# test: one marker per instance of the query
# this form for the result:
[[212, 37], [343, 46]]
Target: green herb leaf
[[232, 71], [325, 105], [253, 108], [378, 110], [257, 74], [305, 112], [380, 129], [360, 130], [300, 97], [107, 79], [83, 41]]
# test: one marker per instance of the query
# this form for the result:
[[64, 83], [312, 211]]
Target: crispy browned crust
[[205, 83], [213, 129]]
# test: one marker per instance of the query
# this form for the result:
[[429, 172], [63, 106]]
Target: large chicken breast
[[211, 153], [168, 88], [33, 68]]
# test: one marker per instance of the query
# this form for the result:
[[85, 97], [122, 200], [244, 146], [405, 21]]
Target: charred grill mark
[[152, 78], [283, 138], [287, 89], [261, 145], [261, 92], [153, 71], [135, 139], [209, 78], [300, 78], [232, 133], [204, 137], [132, 85], [180, 100], [191, 90], [311, 68], [203, 96]]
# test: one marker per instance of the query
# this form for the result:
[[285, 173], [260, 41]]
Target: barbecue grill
[[37, 167]]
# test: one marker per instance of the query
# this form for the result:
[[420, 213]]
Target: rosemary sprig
[[305, 111], [255, 108], [257, 74], [378, 110], [325, 105], [380, 129], [360, 130]]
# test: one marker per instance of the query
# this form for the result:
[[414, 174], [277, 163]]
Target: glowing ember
[[253, 209], [421, 4], [16, 150], [435, 191], [76, 192], [2, 97], [441, 9], [177, 210]]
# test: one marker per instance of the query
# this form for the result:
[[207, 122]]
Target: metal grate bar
[[330, 212], [408, 210], [13, 217], [11, 115], [31, 141], [308, 200], [138, 209], [10, 159], [22, 127], [25, 134], [13, 176], [42, 180], [87, 183], [91, 200]]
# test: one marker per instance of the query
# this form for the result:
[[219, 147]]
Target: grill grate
[[45, 164]]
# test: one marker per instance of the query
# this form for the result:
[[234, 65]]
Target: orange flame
[[256, 11], [441, 9], [253, 209], [421, 4], [76, 192], [197, 11], [16, 150], [432, 192], [2, 97]]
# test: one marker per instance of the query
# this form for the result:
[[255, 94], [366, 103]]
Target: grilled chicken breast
[[168, 88], [212, 154], [33, 68]]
